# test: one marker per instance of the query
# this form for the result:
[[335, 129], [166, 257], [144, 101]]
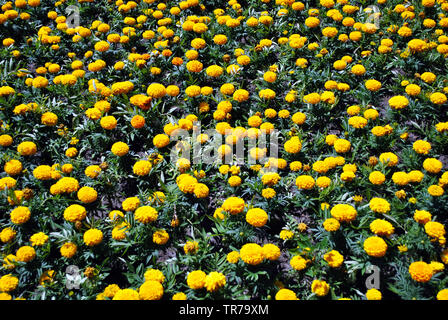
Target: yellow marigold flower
[[111, 290], [145, 214], [241, 95], [323, 182], [421, 146], [142, 167], [293, 145], [126, 294], [329, 32], [357, 122], [343, 212], [286, 294], [256, 217], [422, 216], [49, 119], [252, 253], [120, 148], [8, 283], [156, 90], [373, 294], [92, 171], [68, 249], [191, 247], [331, 225], [233, 205], [201, 190], [432, 165], [271, 252], [179, 296], [25, 254], [87, 194], [151, 290], [398, 102], [442, 294], [286, 234], [75, 212], [388, 158], [420, 271], [413, 90], [437, 266], [93, 237], [130, 204], [119, 232], [305, 182], [373, 85], [40, 82], [7, 235], [38, 239], [382, 227], [435, 229], [27, 148], [379, 205], [214, 281], [298, 263], [435, 191], [320, 287], [334, 258], [375, 247], [438, 98], [233, 257], [312, 22], [342, 145], [5, 139], [377, 177], [428, 77], [400, 178], [108, 122], [312, 98], [20, 215], [196, 279], [160, 237], [13, 167], [71, 152]]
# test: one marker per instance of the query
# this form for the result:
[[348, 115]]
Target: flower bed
[[271, 149]]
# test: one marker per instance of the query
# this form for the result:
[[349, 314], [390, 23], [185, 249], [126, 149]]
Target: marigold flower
[[285, 294], [196, 279], [87, 194], [93, 237], [126, 294], [298, 263], [145, 214], [334, 258], [233, 205], [160, 237], [343, 212], [256, 217], [420, 271], [25, 254], [320, 287], [373, 294], [252, 253], [150, 290], [214, 281], [8, 283], [375, 247]]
